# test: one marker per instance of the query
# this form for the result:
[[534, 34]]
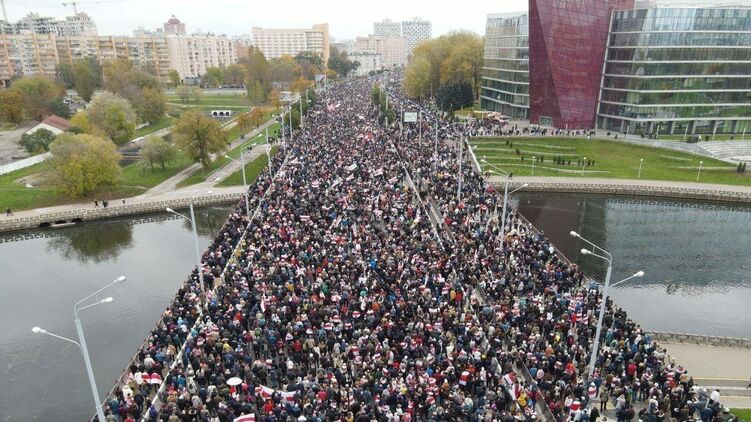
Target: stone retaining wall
[[632, 190], [115, 210], [663, 337]]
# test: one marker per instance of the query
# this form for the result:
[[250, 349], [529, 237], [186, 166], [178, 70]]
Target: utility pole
[[461, 176], [5, 12]]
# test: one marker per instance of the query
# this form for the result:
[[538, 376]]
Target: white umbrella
[[234, 381]]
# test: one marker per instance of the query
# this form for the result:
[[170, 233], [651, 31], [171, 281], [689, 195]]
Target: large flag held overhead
[[246, 418]]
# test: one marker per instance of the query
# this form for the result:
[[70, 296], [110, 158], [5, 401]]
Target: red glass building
[[567, 40]]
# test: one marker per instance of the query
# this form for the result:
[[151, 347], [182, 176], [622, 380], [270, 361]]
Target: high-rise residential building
[[289, 42], [174, 26], [567, 42], [416, 31], [387, 28], [191, 55], [393, 50], [71, 26], [677, 70], [505, 74]]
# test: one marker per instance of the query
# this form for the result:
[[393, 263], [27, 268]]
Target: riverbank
[[142, 204], [654, 188]]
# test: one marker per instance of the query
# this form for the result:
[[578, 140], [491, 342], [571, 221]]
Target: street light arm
[[170, 210], [604, 258], [519, 188], [575, 234], [637, 275], [38, 330], [106, 300], [117, 280]]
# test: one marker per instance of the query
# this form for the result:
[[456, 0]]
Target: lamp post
[[245, 184], [584, 163], [699, 173], [192, 220], [533, 164], [81, 343], [505, 192], [641, 161], [607, 257]]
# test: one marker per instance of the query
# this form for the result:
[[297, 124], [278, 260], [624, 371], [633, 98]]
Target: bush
[[38, 141]]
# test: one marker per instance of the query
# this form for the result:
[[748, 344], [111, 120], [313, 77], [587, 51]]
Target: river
[[696, 256], [43, 378]]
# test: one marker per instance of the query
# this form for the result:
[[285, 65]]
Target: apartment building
[[275, 43], [393, 50], [416, 31]]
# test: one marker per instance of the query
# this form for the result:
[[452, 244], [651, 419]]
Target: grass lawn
[[221, 161], [159, 125], [252, 171], [743, 414], [14, 193], [612, 160], [467, 110]]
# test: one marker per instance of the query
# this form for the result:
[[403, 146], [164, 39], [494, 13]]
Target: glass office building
[[567, 41], [677, 70], [505, 75]]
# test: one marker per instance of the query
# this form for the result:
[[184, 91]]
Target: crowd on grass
[[364, 285]]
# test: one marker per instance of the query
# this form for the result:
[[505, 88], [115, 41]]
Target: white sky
[[346, 18]]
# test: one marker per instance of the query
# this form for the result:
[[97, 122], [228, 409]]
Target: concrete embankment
[[653, 188], [78, 213]]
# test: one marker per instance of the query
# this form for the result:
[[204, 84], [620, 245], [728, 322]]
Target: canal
[[697, 259], [696, 256], [43, 378]]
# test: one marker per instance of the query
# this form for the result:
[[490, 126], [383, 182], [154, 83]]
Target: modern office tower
[[505, 74], [677, 70], [174, 26], [567, 42]]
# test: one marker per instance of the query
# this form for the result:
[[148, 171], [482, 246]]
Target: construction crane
[[76, 3]]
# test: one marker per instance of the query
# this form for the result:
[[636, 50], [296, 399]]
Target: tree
[[174, 77], [65, 75], [122, 78], [447, 59], [299, 85], [152, 105], [59, 108], [81, 121], [82, 163], [283, 69], [243, 122], [11, 106], [255, 117], [196, 93], [37, 92], [113, 116], [455, 95], [213, 77], [37, 141], [85, 78], [275, 99], [199, 136], [234, 75], [340, 62], [156, 150], [258, 76], [184, 92]]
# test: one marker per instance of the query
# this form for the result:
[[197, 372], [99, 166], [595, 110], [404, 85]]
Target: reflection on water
[[43, 378], [696, 256]]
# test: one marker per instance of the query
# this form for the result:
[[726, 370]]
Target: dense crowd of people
[[364, 285]]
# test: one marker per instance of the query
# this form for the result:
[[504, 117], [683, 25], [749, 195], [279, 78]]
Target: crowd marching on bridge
[[339, 296]]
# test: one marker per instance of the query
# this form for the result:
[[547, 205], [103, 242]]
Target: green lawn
[[14, 193], [463, 112], [612, 159], [743, 414], [159, 125], [252, 171], [221, 161]]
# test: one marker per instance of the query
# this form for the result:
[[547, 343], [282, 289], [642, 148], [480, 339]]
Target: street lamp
[[635, 275], [607, 257], [533, 164], [699, 173], [81, 343], [192, 220], [505, 193], [641, 161], [245, 184]]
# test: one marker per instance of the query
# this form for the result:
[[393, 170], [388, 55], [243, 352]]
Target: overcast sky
[[346, 18]]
